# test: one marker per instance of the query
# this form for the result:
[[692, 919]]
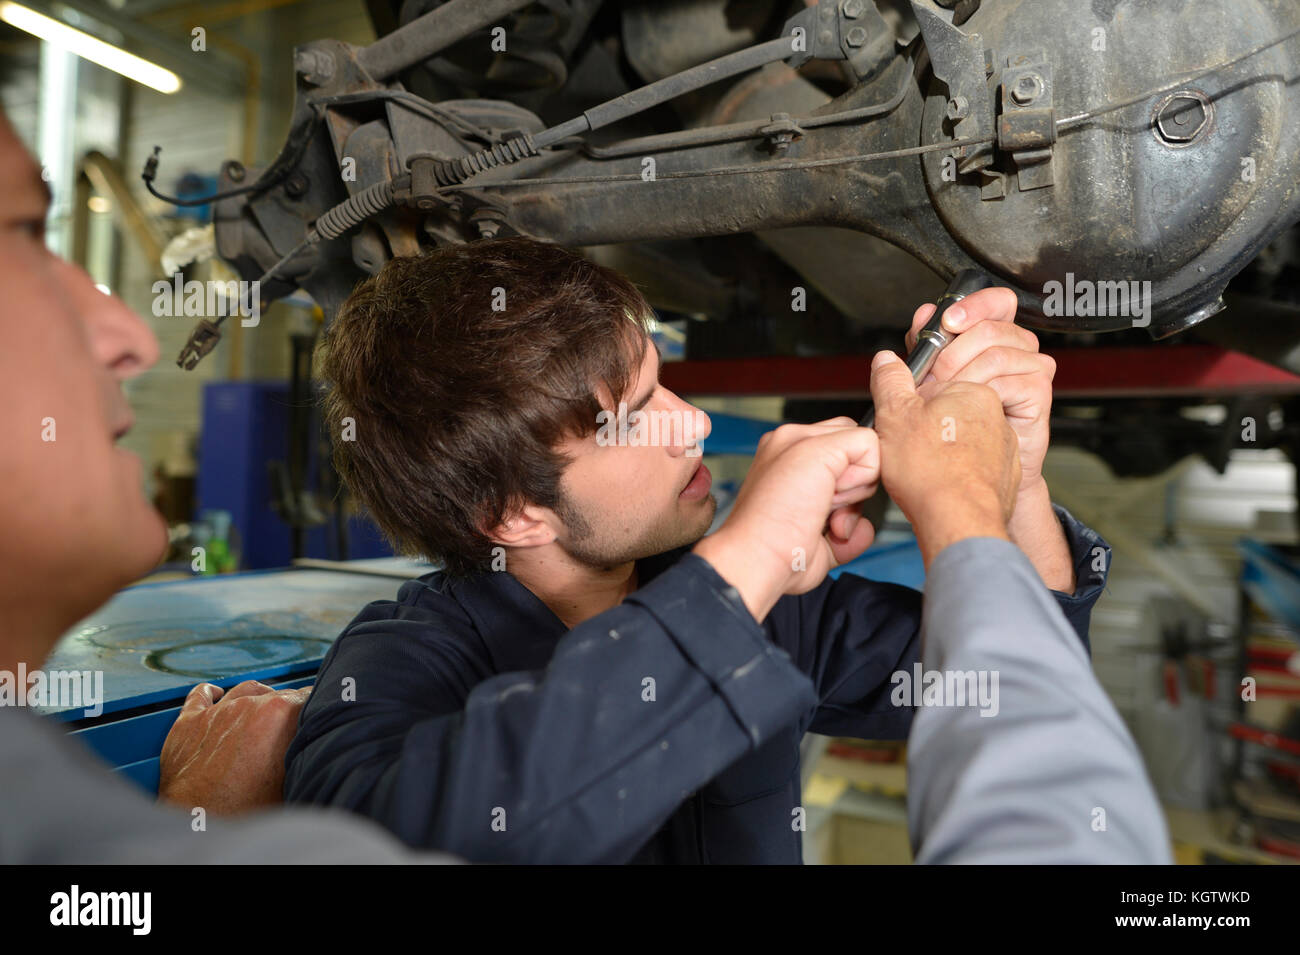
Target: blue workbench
[[153, 642]]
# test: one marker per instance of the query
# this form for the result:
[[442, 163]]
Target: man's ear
[[527, 526]]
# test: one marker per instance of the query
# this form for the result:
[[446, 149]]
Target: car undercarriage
[[1116, 162]]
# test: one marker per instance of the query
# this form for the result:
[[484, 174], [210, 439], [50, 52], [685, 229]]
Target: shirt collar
[[518, 629]]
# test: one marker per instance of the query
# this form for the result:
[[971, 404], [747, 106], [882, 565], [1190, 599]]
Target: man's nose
[[119, 338], [696, 426]]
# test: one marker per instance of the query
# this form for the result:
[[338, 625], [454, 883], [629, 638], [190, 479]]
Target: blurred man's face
[[644, 495], [74, 523]]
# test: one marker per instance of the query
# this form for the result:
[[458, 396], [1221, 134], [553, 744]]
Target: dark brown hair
[[459, 406]]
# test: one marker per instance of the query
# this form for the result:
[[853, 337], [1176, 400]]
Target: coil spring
[[355, 210], [451, 172]]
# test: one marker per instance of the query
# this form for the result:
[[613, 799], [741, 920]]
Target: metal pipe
[[455, 171], [670, 87], [432, 33], [106, 178]]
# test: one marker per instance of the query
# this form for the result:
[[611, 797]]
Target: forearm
[[1035, 529], [758, 583], [1020, 780], [950, 518]]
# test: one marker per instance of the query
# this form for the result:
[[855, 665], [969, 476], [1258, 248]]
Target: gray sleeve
[[59, 805], [1041, 769]]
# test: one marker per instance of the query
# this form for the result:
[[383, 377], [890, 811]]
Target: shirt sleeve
[[851, 635], [1043, 770], [579, 763], [1091, 558], [60, 805]]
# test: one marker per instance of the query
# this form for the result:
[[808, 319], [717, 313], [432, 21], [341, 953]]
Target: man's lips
[[120, 415], [699, 485]]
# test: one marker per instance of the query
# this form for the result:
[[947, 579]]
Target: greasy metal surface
[[957, 60], [1126, 205], [1124, 202]]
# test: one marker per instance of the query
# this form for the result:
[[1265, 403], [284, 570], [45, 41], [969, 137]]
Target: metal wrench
[[932, 339]]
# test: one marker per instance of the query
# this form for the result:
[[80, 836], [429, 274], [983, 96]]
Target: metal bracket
[[962, 10], [958, 59], [1027, 126], [868, 41], [821, 38], [850, 30]]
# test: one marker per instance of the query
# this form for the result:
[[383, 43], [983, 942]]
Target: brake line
[[354, 210], [1065, 124]]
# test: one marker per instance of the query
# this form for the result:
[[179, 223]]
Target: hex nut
[[1181, 118], [1027, 88]]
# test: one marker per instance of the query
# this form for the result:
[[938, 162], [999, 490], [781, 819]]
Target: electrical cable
[[271, 177]]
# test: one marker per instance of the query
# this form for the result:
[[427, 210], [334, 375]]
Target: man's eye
[[32, 228]]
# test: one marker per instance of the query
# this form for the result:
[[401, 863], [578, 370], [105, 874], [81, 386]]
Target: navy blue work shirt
[[465, 717]]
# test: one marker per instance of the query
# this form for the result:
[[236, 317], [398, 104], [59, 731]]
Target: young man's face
[[74, 523], [628, 498]]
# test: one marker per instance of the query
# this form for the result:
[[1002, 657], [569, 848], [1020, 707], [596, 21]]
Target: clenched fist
[[991, 349], [796, 516]]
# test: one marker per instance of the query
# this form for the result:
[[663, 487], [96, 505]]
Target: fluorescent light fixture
[[90, 48]]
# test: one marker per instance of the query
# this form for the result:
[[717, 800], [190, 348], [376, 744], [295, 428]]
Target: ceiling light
[[90, 48]]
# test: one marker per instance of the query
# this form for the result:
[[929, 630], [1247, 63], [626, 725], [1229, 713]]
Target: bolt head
[[853, 8], [314, 66], [958, 108], [857, 36], [1182, 118], [1027, 88]]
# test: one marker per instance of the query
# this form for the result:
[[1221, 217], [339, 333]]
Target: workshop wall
[[198, 130]]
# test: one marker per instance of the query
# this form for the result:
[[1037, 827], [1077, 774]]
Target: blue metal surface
[[898, 562], [245, 425], [1272, 579], [732, 434], [154, 642]]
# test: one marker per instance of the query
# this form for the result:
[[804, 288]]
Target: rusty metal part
[[1134, 197], [432, 33], [1027, 126], [958, 60], [1119, 207]]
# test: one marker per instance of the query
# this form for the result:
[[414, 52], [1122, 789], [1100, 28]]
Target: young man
[[77, 528], [466, 392]]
